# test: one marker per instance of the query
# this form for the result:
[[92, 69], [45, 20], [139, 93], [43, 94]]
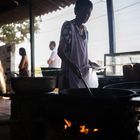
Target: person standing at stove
[[73, 49]]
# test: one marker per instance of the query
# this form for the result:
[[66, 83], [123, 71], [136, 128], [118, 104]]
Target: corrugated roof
[[16, 10]]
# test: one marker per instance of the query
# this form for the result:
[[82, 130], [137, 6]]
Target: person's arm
[[49, 61], [52, 58], [96, 66], [22, 63], [63, 47], [93, 64], [2, 79]]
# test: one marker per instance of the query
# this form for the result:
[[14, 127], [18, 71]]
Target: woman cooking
[[73, 49]]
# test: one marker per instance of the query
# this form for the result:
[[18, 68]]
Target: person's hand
[[93, 65]]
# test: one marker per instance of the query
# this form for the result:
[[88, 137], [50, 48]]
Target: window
[[98, 32], [127, 21]]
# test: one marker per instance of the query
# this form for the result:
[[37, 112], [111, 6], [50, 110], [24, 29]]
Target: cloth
[[56, 62], [76, 50]]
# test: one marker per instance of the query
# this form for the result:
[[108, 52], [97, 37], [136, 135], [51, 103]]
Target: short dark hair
[[81, 4], [52, 43]]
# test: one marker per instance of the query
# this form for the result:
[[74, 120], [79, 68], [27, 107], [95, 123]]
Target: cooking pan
[[33, 84]]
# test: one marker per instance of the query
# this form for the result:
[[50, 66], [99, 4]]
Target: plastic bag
[[91, 79]]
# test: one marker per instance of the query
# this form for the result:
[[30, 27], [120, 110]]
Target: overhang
[[16, 10]]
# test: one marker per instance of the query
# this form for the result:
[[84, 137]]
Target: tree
[[17, 32]]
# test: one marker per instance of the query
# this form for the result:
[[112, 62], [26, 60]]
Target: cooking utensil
[[79, 75], [131, 60], [89, 91], [33, 85]]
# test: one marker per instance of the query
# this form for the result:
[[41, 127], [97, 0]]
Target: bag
[[91, 79]]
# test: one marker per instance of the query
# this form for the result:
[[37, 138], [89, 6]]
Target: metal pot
[[130, 86], [29, 85], [46, 71], [100, 94], [133, 85]]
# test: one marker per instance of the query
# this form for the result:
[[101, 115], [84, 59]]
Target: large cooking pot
[[33, 84], [99, 93], [47, 71], [133, 85]]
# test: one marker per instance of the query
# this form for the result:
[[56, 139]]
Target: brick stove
[[75, 116]]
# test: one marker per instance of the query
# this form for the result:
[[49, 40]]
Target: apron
[[79, 56]]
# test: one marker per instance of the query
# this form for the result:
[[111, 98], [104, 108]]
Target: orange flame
[[95, 130], [67, 124], [83, 129]]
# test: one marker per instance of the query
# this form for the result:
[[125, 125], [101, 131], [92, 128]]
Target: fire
[[67, 124], [95, 130], [83, 129]]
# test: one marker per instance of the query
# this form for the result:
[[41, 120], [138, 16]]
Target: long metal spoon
[[81, 77], [90, 92]]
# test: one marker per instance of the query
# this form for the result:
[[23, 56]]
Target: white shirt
[[56, 61]]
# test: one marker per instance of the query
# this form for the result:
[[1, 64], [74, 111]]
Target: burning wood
[[67, 124], [83, 129], [95, 130]]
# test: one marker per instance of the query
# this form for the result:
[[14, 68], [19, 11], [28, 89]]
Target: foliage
[[17, 32]]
